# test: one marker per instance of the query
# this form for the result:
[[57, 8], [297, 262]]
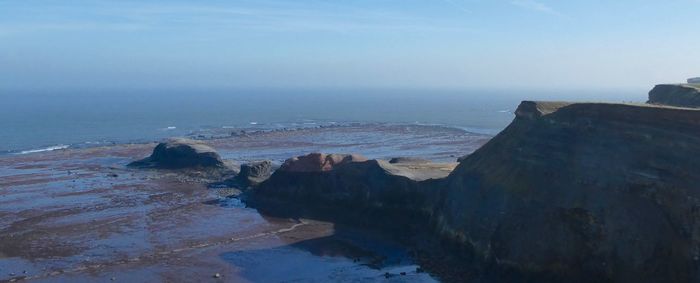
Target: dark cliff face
[[680, 95], [606, 191]]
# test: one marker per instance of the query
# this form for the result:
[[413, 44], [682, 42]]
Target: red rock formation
[[317, 162]]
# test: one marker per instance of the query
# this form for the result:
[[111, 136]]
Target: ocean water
[[42, 120]]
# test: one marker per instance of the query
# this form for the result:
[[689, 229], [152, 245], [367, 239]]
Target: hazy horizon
[[442, 44]]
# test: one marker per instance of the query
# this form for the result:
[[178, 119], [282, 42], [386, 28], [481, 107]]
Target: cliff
[[584, 192], [589, 190], [680, 95]]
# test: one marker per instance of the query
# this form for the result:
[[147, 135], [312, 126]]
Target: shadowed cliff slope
[[606, 191]]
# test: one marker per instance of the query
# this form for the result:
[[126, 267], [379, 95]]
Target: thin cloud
[[536, 6], [265, 16], [25, 28]]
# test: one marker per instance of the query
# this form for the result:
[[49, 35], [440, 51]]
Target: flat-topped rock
[[181, 153], [340, 183], [680, 95]]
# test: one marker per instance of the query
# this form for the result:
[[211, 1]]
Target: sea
[[38, 121]]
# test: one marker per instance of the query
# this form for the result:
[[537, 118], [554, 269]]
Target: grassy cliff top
[[537, 109]]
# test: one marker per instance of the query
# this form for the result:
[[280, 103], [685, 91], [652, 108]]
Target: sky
[[421, 44]]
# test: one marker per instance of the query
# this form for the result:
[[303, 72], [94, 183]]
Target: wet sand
[[79, 215]]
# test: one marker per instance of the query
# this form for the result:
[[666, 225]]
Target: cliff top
[[535, 109], [690, 85]]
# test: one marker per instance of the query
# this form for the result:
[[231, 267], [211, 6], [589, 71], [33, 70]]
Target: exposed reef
[[680, 95], [583, 192]]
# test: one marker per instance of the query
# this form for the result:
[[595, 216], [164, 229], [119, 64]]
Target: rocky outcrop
[[583, 192], [181, 154], [350, 186], [680, 95]]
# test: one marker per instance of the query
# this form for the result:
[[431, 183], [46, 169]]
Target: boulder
[[181, 154], [254, 173]]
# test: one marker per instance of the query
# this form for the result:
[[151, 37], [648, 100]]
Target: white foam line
[[50, 148]]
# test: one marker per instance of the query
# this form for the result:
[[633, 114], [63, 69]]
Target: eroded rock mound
[[180, 154], [679, 95]]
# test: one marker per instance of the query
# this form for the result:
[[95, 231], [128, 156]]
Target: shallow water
[[337, 258]]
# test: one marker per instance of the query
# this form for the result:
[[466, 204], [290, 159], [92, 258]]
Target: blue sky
[[508, 44]]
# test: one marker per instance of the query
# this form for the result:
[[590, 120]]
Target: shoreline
[[218, 134]]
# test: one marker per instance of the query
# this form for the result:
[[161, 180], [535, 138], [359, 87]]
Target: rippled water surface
[[31, 122]]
